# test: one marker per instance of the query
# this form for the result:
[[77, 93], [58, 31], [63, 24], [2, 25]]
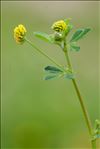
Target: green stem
[[43, 53], [93, 142], [86, 116], [83, 106]]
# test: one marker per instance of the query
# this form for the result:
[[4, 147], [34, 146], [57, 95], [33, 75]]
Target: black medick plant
[[60, 37]]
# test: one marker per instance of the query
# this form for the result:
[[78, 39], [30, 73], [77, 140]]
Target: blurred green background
[[47, 114]]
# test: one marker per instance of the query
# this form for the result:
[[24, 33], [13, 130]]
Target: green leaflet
[[96, 131], [69, 28], [79, 34], [69, 76], [44, 36], [49, 77], [74, 47], [52, 69], [53, 72], [98, 136], [67, 21]]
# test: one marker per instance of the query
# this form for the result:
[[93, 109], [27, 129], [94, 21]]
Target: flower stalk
[[44, 54]]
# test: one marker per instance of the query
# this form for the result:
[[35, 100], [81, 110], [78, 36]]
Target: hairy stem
[[86, 116]]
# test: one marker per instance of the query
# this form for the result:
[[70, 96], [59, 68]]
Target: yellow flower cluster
[[59, 26], [19, 33]]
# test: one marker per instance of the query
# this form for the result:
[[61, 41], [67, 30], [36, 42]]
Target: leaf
[[70, 26], [69, 75], [94, 137], [79, 34], [52, 69], [44, 36], [68, 29], [49, 77], [54, 72], [74, 47], [67, 20], [98, 136]]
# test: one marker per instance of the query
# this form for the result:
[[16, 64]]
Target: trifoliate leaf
[[44, 36], [79, 34], [54, 72], [52, 69]]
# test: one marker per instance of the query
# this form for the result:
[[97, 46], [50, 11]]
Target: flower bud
[[58, 36]]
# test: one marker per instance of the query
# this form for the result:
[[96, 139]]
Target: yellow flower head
[[59, 26], [19, 33]]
